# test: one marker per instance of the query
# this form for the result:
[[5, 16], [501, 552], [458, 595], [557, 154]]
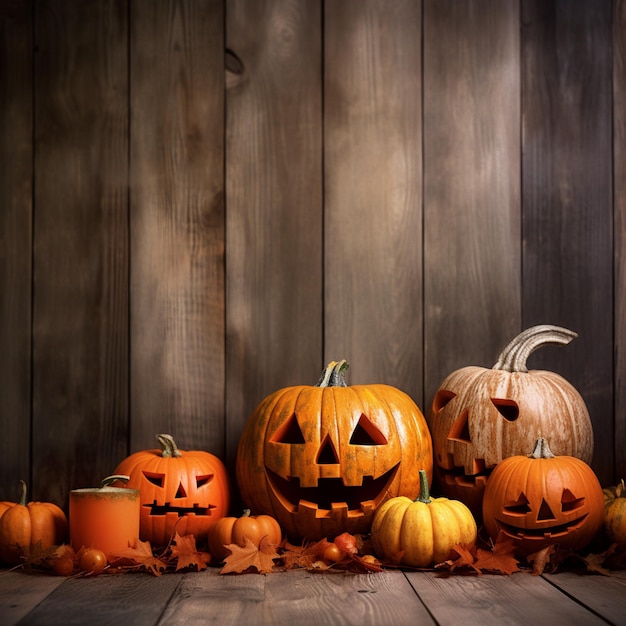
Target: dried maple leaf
[[259, 557], [304, 557], [465, 558], [499, 560], [141, 555], [540, 559], [37, 555], [186, 553]]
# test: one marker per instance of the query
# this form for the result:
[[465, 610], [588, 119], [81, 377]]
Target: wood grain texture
[[80, 319], [567, 212], [138, 600], [16, 172], [297, 597], [498, 600], [472, 245], [177, 223], [373, 191], [274, 195], [619, 255]]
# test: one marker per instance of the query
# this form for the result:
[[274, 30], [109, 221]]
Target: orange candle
[[106, 518]]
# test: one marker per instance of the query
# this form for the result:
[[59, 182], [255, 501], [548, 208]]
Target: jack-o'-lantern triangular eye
[[155, 479], [507, 408], [569, 502], [201, 481], [366, 433], [519, 506], [441, 399], [289, 432]]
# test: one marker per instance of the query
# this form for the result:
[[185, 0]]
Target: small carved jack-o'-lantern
[[182, 491], [322, 458], [543, 499], [480, 416]]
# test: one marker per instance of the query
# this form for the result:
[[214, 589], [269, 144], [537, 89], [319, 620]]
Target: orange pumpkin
[[543, 499], [24, 525], [615, 514], [182, 491], [236, 530], [480, 416], [321, 459]]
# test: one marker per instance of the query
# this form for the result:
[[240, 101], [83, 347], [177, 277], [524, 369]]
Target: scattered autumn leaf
[[185, 552], [142, 556], [259, 557], [462, 557]]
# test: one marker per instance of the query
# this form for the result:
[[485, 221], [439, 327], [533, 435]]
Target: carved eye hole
[[569, 502], [507, 408], [289, 432], [155, 479], [519, 506], [201, 481], [442, 398], [367, 434]]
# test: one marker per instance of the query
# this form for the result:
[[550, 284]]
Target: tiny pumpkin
[[480, 416], [322, 458], [421, 532], [543, 499], [229, 530], [186, 491], [24, 525], [615, 515]]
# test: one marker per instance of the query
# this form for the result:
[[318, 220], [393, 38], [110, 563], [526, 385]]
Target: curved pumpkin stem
[[334, 375], [23, 493], [542, 450], [514, 356], [168, 446], [424, 494]]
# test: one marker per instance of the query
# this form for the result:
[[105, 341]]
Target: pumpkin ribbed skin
[[182, 491], [236, 530], [298, 455], [421, 532], [23, 525], [543, 499], [615, 515], [481, 416]]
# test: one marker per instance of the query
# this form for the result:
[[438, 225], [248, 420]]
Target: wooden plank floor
[[300, 598]]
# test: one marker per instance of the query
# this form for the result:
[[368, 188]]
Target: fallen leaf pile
[[347, 553]]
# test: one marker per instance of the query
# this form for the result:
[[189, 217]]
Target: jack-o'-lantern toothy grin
[[332, 491], [163, 509], [540, 534]]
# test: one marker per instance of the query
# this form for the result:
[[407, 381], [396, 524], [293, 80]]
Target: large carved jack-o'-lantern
[[481, 416], [322, 458], [543, 499], [182, 491]]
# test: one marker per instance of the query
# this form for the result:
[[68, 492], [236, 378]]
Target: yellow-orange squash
[[543, 499], [615, 514], [182, 491], [236, 530], [480, 416], [25, 525], [421, 532], [321, 459]]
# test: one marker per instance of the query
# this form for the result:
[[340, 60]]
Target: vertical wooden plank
[[80, 319], [567, 184], [274, 195], [373, 191], [472, 246], [619, 199], [177, 223], [16, 156]]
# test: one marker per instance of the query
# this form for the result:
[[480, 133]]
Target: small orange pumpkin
[[615, 514], [236, 530], [182, 491], [322, 458], [480, 416], [543, 499], [24, 525]]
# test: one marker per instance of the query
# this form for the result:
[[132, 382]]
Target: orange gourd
[[26, 525], [480, 416], [321, 459], [543, 499], [615, 514], [229, 530], [180, 491]]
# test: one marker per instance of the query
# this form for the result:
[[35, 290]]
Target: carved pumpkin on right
[[480, 416]]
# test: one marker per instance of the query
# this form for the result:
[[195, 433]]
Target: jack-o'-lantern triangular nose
[[327, 454], [545, 512]]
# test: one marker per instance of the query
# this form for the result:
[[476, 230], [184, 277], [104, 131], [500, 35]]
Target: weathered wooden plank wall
[[205, 200]]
